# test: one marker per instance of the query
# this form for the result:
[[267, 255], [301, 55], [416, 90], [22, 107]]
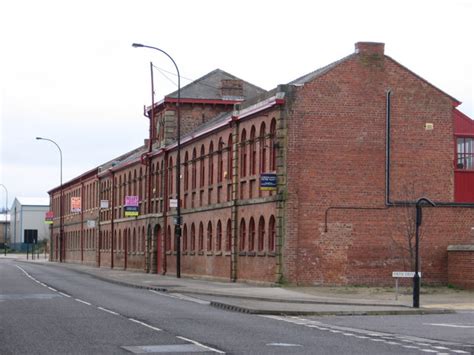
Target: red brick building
[[342, 153]]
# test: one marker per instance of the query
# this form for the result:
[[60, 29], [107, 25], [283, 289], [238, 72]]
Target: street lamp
[[61, 222], [416, 277], [177, 230], [6, 213]]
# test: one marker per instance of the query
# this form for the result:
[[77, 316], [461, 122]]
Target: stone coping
[[461, 247]]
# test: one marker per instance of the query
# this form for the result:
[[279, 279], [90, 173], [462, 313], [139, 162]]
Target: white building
[[28, 214]]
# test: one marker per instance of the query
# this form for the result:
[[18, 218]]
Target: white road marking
[[64, 294], [144, 324], [108, 311], [283, 344], [450, 325], [78, 300], [179, 296], [52, 289], [387, 338], [201, 345]]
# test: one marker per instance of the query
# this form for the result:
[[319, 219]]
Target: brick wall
[[461, 266], [336, 157]]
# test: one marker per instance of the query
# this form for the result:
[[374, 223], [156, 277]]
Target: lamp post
[[61, 222], [178, 162], [416, 277], [6, 214]]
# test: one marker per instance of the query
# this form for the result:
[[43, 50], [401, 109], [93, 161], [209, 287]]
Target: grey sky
[[68, 71]]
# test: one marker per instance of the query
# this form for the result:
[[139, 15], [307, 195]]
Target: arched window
[[193, 170], [186, 172], [140, 185], [228, 235], [253, 151], [273, 145], [229, 157], [242, 235], [119, 246], [201, 237], [271, 234], [168, 239], [210, 179], [209, 236], [170, 176], [251, 234], [201, 167], [193, 237], [243, 153], [219, 236], [134, 243], [261, 234], [185, 238], [134, 191], [220, 163], [263, 149]]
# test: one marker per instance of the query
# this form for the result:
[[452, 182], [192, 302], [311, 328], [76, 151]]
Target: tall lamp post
[[6, 214], [416, 277], [178, 222], [61, 221]]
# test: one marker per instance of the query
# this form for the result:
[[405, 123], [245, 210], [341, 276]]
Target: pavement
[[280, 300]]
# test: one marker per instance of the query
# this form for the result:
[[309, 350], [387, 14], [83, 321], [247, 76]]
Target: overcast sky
[[68, 71]]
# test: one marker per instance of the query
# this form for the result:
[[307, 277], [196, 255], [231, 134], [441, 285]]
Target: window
[[243, 154], [272, 145], [185, 238], [271, 234], [193, 170], [252, 235], [219, 236], [253, 151], [168, 239], [210, 169], [465, 153], [242, 235], [261, 234], [201, 237], [170, 176], [228, 235], [220, 164], [263, 149], [209, 236], [229, 157], [186, 172], [193, 237], [201, 167]]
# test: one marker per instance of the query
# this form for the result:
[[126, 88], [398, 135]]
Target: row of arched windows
[[201, 167], [258, 237]]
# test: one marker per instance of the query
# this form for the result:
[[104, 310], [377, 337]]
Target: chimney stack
[[370, 48]]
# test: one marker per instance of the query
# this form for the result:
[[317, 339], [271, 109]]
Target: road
[[49, 310]]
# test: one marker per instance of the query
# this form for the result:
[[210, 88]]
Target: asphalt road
[[47, 310]]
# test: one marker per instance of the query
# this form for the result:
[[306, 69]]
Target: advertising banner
[[75, 204]]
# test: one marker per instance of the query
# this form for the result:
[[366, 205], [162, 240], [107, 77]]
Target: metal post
[[416, 277], [178, 162], [61, 217]]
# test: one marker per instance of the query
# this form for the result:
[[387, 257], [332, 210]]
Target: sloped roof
[[33, 201], [209, 87], [317, 73]]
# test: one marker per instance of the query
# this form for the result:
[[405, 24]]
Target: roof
[[317, 73], [33, 201], [209, 87]]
